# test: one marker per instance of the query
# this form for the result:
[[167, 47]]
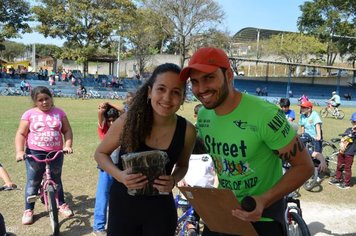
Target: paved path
[[323, 219]]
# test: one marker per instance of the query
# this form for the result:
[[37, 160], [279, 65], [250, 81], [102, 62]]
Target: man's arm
[[301, 169]]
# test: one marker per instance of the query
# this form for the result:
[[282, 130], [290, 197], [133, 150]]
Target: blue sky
[[272, 14]]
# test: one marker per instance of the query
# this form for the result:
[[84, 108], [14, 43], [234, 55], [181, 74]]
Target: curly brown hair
[[139, 118]]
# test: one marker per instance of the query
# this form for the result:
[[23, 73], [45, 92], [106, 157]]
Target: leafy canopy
[[14, 15]]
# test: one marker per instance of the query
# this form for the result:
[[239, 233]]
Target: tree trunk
[[85, 68]]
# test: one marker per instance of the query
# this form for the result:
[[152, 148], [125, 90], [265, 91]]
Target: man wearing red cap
[[247, 138]]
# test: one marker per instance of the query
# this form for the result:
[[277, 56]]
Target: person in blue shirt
[[284, 103]]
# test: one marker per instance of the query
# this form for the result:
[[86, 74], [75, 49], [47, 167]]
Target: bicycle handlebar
[[25, 156]]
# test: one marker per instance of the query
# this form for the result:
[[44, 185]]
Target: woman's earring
[[148, 100], [181, 107]]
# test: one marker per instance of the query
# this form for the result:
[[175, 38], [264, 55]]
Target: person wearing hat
[[311, 124], [247, 138], [345, 157], [335, 100]]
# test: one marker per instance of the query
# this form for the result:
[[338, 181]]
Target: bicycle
[[314, 180], [48, 189], [330, 151], [186, 216], [293, 217], [332, 111]]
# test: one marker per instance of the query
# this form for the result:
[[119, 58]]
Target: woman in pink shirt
[[41, 130]]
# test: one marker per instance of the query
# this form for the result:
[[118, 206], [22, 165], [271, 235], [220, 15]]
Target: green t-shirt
[[241, 144]]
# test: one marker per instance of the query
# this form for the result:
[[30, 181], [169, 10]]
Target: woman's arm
[[68, 135], [182, 164], [101, 109], [166, 183], [20, 139], [117, 107], [110, 143]]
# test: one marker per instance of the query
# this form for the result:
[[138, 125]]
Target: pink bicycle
[[48, 189]]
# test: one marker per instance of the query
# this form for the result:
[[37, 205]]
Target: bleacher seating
[[274, 89], [279, 89]]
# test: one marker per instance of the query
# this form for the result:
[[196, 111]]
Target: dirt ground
[[325, 219]]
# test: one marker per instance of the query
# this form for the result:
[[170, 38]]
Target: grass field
[[80, 173]]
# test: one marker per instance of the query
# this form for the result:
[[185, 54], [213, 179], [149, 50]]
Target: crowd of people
[[245, 149]]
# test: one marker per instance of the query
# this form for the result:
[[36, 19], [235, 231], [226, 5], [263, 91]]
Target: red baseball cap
[[206, 60], [307, 104]]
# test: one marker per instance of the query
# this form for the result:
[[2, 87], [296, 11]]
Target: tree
[[188, 17], [12, 50], [142, 36], [85, 25], [53, 51], [213, 38], [294, 48], [14, 16], [331, 21]]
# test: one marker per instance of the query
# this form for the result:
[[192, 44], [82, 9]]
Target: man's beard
[[222, 95]]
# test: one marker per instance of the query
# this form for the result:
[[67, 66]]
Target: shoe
[[65, 211], [343, 186], [335, 182], [99, 232], [27, 218]]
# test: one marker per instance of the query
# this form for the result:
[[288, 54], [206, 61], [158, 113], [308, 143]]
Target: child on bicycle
[[41, 131], [106, 116], [345, 157], [335, 100], [310, 123]]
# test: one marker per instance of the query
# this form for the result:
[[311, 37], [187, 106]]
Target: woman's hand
[[164, 183], [19, 155], [68, 150], [133, 181]]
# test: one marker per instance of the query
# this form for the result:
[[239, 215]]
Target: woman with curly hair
[[151, 123]]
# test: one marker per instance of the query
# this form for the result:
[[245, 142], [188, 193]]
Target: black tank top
[[174, 150]]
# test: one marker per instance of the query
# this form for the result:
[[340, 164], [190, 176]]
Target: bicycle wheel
[[4, 92], [340, 115], [330, 153], [324, 112], [52, 210], [297, 226]]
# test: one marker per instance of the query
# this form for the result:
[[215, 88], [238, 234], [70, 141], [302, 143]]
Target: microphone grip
[[248, 203]]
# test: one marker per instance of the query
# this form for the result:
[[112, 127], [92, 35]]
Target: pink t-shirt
[[45, 129]]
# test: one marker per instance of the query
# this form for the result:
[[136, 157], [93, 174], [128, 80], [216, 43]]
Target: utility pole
[[118, 57], [34, 67]]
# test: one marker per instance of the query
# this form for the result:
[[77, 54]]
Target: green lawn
[[80, 173]]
